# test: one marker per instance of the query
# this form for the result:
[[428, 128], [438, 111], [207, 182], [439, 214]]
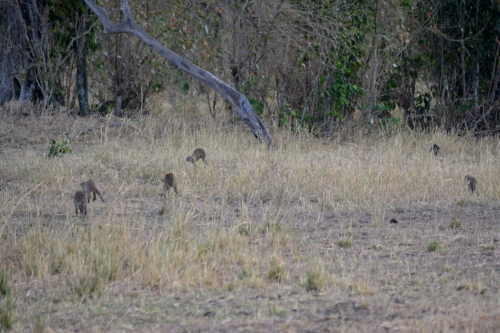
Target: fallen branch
[[239, 101]]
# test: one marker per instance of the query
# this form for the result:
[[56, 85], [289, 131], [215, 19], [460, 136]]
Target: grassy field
[[292, 240]]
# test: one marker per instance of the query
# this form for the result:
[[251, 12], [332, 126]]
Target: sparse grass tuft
[[89, 286], [455, 224], [275, 310], [436, 246], [244, 229], [7, 304], [277, 270], [344, 242], [488, 247], [315, 279], [39, 325], [4, 286], [7, 307], [271, 227]]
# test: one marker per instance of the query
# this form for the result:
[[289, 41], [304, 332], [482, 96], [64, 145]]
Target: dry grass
[[292, 240]]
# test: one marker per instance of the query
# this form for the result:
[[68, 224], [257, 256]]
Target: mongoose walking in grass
[[80, 204], [471, 182], [89, 187], [169, 181], [435, 149], [197, 154]]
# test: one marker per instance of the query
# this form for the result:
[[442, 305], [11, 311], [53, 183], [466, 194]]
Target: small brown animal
[[169, 181], [435, 149], [197, 154], [80, 203], [89, 187], [471, 182]]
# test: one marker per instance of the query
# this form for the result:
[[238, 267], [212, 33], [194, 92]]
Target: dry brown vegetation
[[293, 240]]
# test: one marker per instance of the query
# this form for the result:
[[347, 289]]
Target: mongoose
[[169, 181], [471, 182], [197, 154], [89, 187], [435, 149], [80, 204]]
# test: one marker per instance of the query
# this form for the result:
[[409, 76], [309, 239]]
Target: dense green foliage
[[59, 149]]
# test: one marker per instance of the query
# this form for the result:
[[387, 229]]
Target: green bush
[[59, 149]]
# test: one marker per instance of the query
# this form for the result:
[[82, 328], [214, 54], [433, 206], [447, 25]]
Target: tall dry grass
[[235, 225]]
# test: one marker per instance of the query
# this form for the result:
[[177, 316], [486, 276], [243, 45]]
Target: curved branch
[[239, 101]]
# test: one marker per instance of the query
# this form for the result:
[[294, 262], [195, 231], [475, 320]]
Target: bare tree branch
[[239, 101]]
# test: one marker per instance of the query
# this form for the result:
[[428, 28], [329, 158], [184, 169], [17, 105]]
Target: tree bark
[[29, 42], [7, 12], [81, 66], [118, 109], [6, 75], [18, 23], [372, 92], [7, 88], [239, 101]]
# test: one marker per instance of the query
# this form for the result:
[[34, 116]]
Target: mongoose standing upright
[[471, 182], [197, 154], [89, 187], [169, 181], [435, 149], [80, 204]]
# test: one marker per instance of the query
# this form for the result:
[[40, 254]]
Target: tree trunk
[[81, 66], [118, 109], [372, 90], [7, 27], [20, 35], [475, 86], [28, 42], [6, 72], [462, 57]]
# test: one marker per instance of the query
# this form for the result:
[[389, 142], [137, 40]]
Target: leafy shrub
[[59, 149]]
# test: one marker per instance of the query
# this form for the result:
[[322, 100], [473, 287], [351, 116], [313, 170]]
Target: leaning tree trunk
[[239, 101]]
